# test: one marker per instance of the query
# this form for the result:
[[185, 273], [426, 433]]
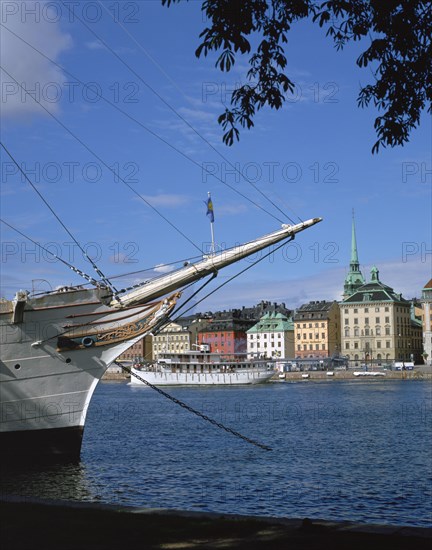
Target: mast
[[209, 264]]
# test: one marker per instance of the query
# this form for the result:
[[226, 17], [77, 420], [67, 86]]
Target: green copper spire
[[354, 264], [354, 279]]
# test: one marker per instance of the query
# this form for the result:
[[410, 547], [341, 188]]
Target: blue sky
[[312, 158]]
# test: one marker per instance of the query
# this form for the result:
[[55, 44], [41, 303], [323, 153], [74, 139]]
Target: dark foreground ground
[[61, 525]]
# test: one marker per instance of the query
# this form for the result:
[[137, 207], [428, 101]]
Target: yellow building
[[317, 330]]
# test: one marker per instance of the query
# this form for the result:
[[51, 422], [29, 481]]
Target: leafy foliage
[[399, 55]]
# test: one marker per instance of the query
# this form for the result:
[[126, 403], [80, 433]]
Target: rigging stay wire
[[110, 168], [283, 243], [168, 77], [87, 277], [76, 270], [141, 125], [95, 267], [165, 102]]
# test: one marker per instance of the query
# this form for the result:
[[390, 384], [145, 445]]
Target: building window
[[386, 309], [366, 320], [378, 344], [366, 309], [377, 320], [355, 320], [387, 331], [347, 321], [323, 335], [355, 345], [377, 309], [387, 344], [378, 331], [355, 310], [347, 332], [323, 346], [347, 346], [317, 346], [387, 319], [356, 331], [299, 347], [310, 335]]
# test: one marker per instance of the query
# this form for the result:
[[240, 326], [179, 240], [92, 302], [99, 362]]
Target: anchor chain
[[194, 411]]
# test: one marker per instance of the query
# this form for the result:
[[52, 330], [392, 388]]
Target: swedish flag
[[210, 212]]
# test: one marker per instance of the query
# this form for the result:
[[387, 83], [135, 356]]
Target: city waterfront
[[355, 451]]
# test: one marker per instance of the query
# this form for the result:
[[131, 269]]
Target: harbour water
[[351, 450]]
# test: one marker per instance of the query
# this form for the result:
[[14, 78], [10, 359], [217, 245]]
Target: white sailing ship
[[56, 347], [202, 368]]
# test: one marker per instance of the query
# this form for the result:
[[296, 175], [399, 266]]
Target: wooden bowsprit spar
[[194, 411]]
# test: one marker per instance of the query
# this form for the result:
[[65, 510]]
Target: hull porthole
[[87, 342]]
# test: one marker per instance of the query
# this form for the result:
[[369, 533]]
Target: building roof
[[314, 310], [272, 322], [375, 291]]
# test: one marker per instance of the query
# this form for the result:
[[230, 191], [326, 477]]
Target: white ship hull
[[241, 377], [45, 392]]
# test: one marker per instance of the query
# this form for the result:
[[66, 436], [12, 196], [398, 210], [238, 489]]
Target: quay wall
[[421, 373]]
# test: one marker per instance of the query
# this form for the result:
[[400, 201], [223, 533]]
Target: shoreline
[[68, 524]]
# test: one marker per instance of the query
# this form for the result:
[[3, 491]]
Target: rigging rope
[[101, 160], [95, 267], [81, 273], [283, 243], [181, 117], [141, 125]]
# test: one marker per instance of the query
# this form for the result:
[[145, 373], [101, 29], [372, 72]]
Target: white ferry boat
[[202, 368]]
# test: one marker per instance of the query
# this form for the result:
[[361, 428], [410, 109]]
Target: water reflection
[[52, 481]]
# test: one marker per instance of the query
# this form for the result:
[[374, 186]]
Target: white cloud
[[165, 200], [95, 45], [163, 268], [31, 70]]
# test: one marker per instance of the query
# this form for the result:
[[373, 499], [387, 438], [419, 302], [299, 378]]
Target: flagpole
[[210, 210]]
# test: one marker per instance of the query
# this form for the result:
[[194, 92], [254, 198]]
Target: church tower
[[354, 279]]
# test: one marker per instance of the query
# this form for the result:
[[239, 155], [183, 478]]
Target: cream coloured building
[[377, 326], [426, 301], [173, 338]]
